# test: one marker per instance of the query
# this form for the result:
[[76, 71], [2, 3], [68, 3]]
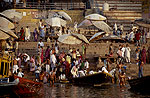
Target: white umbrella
[[65, 15], [5, 23], [8, 32], [51, 14], [97, 36], [85, 23], [69, 39], [12, 14], [56, 22], [102, 25], [99, 24], [3, 35], [81, 37], [143, 22], [95, 17], [111, 37]]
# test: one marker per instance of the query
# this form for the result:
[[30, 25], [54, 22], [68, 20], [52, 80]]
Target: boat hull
[[140, 84], [93, 79]]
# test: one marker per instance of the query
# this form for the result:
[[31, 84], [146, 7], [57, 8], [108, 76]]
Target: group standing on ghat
[[54, 64]]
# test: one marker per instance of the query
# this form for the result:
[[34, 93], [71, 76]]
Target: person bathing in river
[[52, 77], [122, 78]]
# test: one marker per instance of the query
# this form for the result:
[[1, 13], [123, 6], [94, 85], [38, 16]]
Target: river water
[[72, 91]]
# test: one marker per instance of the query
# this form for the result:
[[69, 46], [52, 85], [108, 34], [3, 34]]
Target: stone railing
[[51, 6]]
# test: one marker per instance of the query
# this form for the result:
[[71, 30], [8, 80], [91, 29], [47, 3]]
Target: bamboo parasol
[[69, 39], [65, 15], [95, 17], [8, 32], [97, 36], [6, 23], [3, 35]]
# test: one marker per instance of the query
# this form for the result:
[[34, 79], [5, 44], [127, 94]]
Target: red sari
[[42, 56], [22, 36], [144, 55]]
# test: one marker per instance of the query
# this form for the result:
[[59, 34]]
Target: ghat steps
[[121, 12]]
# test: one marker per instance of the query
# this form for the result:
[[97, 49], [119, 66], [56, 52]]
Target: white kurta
[[27, 34], [53, 60], [127, 54], [123, 51]]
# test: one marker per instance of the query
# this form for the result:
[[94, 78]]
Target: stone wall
[[33, 16], [93, 49]]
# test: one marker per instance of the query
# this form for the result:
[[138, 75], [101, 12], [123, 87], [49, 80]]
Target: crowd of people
[[44, 32], [54, 64], [124, 59], [137, 35]]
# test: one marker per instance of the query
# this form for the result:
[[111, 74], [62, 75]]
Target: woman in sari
[[42, 55], [47, 53], [42, 33], [32, 64], [22, 36], [35, 33], [148, 51], [144, 55]]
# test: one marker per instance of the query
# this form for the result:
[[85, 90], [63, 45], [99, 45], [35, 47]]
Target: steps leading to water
[[121, 12]]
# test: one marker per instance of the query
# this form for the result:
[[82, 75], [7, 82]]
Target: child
[[20, 73], [137, 57]]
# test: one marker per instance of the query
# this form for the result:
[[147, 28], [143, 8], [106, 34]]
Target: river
[[72, 91]]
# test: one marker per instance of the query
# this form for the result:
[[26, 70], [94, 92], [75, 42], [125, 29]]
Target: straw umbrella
[[65, 15], [143, 22], [5, 23], [99, 24], [8, 32], [12, 14], [56, 22], [69, 39], [97, 36], [3, 35], [81, 37], [95, 17]]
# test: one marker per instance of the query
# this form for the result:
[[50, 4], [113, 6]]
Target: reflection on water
[[71, 91]]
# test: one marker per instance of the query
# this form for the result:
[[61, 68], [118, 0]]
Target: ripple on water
[[72, 91]]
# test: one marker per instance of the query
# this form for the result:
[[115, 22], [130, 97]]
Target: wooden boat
[[27, 87], [140, 84], [15, 84], [5, 82], [93, 79]]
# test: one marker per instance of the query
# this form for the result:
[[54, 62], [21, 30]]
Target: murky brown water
[[71, 91]]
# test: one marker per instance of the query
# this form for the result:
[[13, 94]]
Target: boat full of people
[[92, 78]]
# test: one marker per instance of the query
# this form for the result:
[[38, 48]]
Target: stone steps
[[118, 5], [121, 12]]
